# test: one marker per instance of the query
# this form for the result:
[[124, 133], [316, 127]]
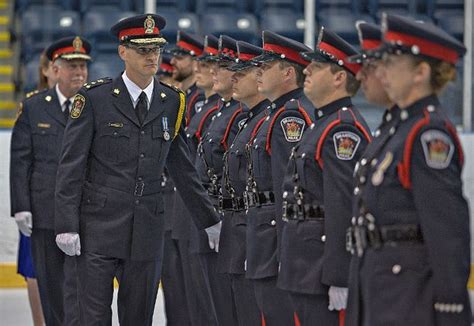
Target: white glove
[[24, 220], [337, 298], [69, 243], [213, 235]]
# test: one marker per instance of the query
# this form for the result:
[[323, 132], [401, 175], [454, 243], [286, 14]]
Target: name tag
[[115, 124], [44, 125]]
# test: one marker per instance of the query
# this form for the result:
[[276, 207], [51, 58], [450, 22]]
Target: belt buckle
[[285, 211], [139, 187]]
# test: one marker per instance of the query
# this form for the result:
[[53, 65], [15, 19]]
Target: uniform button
[[374, 162], [396, 269], [115, 133], [363, 161], [245, 265], [431, 108], [142, 132], [392, 130], [140, 178], [388, 117], [356, 191], [362, 179], [267, 118], [312, 126], [353, 220], [210, 139], [404, 115], [142, 155], [303, 155], [377, 133], [88, 201], [256, 146], [237, 152], [137, 202], [323, 238], [219, 114], [273, 222], [285, 194], [188, 135], [344, 109], [360, 221]]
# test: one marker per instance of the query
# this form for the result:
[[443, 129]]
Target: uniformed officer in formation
[[410, 230], [165, 71], [216, 140], [35, 149], [279, 79], [234, 181], [109, 210], [317, 188]]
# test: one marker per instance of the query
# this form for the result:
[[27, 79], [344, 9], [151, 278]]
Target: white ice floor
[[15, 311]]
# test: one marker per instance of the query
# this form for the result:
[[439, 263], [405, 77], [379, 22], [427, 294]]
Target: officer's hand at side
[[24, 220], [337, 298], [213, 235], [69, 243]]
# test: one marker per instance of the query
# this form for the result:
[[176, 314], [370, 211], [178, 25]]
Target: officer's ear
[[422, 73], [339, 77], [122, 52]]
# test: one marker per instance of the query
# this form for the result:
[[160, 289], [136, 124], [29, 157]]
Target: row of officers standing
[[259, 195]]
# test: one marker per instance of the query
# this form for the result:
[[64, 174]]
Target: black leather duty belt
[[138, 188], [231, 204], [253, 199], [361, 237], [302, 212]]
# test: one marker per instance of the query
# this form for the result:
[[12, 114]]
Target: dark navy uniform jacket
[[35, 149], [194, 101], [269, 150], [411, 177], [198, 241], [318, 200], [234, 183], [109, 176]]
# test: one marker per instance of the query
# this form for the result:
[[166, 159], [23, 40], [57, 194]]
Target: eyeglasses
[[145, 50]]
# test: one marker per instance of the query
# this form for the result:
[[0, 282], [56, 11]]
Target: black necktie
[[66, 109], [142, 108]]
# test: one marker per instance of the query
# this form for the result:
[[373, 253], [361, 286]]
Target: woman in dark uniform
[[410, 228]]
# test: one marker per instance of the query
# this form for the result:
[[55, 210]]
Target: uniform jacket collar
[[332, 107], [53, 106], [279, 102]]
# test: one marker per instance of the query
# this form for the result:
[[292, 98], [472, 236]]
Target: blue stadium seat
[[106, 65], [402, 6], [187, 22], [288, 24], [347, 4], [30, 80], [342, 22], [22, 5], [165, 6], [452, 21], [89, 5], [219, 6], [239, 26], [97, 25], [261, 6], [45, 24]]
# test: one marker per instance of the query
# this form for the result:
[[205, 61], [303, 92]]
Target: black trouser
[[313, 310], [245, 304], [185, 286], [274, 303], [221, 290], [138, 287], [56, 276]]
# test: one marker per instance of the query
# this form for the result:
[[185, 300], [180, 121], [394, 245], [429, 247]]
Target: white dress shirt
[[134, 90]]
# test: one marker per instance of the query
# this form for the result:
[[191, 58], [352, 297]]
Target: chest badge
[[377, 177], [346, 144], [293, 128], [164, 124]]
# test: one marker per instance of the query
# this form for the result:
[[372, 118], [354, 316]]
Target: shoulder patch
[[346, 144], [97, 82], [77, 106], [293, 128], [438, 149]]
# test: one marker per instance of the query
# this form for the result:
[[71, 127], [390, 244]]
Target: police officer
[[165, 72], [279, 79], [188, 47], [36, 139], [411, 226], [109, 209], [234, 180], [318, 186], [217, 139]]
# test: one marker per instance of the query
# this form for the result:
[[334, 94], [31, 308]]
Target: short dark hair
[[298, 71], [352, 84]]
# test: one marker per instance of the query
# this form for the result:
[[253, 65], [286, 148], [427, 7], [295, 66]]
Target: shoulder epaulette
[[176, 89], [97, 82], [30, 94]]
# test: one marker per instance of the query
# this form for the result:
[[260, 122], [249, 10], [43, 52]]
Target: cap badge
[[77, 44], [149, 25]]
